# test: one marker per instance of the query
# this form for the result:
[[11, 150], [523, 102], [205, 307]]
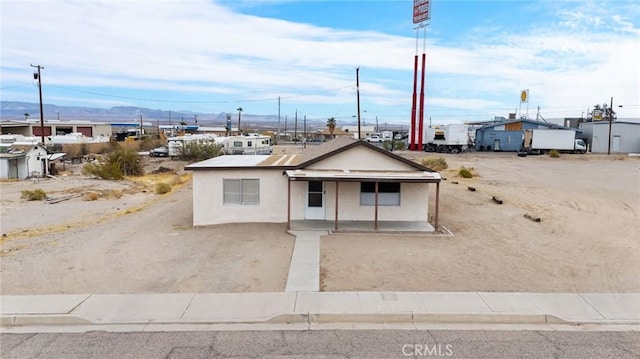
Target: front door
[[496, 144], [315, 200]]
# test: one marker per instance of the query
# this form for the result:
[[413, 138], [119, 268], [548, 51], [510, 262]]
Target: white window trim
[[241, 193]]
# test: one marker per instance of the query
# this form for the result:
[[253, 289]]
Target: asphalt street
[[324, 344]]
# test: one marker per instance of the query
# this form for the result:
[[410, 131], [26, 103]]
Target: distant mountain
[[10, 110]]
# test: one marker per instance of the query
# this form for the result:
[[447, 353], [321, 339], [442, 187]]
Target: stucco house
[[21, 161], [339, 181]]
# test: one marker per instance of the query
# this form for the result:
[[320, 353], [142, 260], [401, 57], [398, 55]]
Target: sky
[[213, 56]]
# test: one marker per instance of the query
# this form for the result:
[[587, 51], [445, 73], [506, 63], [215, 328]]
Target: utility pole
[[610, 121], [295, 130], [37, 76], [278, 136], [196, 119], [304, 140], [358, 98], [169, 117], [140, 136]]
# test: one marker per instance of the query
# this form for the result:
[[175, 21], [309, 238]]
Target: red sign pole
[[413, 104], [421, 123]]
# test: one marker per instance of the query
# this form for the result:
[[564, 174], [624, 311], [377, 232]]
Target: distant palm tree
[[331, 123]]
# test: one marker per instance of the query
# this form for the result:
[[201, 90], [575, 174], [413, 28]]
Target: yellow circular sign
[[523, 96]]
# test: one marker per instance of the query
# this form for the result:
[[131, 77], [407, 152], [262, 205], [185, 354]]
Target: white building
[[338, 181], [625, 136], [365, 131], [21, 161]]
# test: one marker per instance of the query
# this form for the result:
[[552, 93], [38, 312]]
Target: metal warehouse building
[[625, 136], [55, 127], [507, 135]]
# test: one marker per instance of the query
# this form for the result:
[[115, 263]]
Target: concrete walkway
[[321, 307], [304, 270]]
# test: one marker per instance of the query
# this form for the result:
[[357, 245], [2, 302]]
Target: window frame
[[242, 195], [388, 194]]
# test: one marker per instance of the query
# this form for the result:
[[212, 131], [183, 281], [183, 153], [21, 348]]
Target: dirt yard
[[121, 237], [588, 239], [140, 242]]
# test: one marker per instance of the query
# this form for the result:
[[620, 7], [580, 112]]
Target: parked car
[[162, 151], [375, 137]]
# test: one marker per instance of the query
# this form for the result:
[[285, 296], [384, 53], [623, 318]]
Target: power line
[[14, 86], [197, 102]]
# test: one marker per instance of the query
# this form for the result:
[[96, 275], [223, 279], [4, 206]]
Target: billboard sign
[[421, 11], [524, 96], [598, 114]]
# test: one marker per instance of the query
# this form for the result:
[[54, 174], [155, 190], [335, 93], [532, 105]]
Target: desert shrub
[[554, 154], [91, 196], [400, 145], [435, 163], [162, 188], [151, 142], [84, 149], [465, 173], [199, 150], [116, 165], [35, 195]]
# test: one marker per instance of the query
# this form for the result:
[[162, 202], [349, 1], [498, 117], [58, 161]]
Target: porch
[[345, 226]]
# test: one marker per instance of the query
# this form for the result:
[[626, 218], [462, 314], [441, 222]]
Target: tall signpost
[[421, 13]]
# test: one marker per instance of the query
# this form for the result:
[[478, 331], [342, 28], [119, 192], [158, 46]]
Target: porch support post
[[289, 204], [336, 220], [437, 205], [375, 221]]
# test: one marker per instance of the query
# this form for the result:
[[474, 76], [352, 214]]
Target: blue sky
[[215, 56]]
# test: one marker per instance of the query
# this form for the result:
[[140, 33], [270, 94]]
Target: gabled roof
[[24, 147], [344, 143], [312, 155]]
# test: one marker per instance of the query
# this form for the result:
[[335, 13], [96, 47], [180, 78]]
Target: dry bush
[[435, 163], [554, 154], [91, 196], [465, 173], [35, 195], [162, 188]]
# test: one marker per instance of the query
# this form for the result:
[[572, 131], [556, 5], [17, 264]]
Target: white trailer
[[545, 140], [252, 144], [452, 138], [177, 144]]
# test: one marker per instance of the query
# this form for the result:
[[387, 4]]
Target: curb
[[322, 318]]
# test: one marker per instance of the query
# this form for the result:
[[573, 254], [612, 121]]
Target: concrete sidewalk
[[321, 307], [304, 270]]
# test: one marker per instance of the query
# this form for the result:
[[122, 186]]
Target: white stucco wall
[[208, 208], [208, 195], [34, 161], [414, 203]]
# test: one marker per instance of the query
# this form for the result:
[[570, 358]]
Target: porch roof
[[360, 176]]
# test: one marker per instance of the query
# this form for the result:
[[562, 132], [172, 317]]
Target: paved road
[[324, 344]]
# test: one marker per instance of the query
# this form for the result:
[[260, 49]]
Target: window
[[249, 143], [237, 143], [388, 194], [244, 192]]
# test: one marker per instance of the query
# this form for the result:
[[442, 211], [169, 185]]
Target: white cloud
[[207, 51]]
